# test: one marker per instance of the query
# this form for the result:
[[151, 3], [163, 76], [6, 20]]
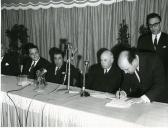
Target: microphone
[[83, 92], [41, 72], [86, 63], [40, 82], [74, 53]]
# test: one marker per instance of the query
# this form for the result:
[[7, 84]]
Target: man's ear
[[135, 61]]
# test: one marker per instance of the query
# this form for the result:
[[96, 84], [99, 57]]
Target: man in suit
[[105, 77], [34, 63], [144, 77], [156, 41], [9, 63], [58, 71]]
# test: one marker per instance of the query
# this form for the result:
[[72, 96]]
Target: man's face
[[154, 25], [126, 66], [58, 60], [34, 54], [106, 61]]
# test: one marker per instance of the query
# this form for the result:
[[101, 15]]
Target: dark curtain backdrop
[[88, 28]]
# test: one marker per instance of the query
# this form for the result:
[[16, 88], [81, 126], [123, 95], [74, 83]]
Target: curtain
[[87, 28]]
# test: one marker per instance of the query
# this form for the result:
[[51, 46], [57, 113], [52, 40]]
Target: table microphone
[[83, 91]]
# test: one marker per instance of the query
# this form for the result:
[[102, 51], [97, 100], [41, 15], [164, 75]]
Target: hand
[[121, 94], [136, 101]]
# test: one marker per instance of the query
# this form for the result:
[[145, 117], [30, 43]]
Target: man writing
[[144, 78]]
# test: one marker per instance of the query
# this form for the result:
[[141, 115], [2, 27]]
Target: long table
[[59, 109]]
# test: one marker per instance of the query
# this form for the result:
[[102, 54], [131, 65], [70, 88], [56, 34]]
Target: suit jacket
[[99, 81], [145, 44], [42, 63], [10, 64], [75, 79], [152, 78]]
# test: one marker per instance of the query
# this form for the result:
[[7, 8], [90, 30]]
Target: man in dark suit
[[9, 63], [144, 77], [58, 71], [105, 76], [34, 63], [156, 41]]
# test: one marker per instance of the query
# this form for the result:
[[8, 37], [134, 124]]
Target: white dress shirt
[[154, 36], [35, 63], [2, 58], [107, 70]]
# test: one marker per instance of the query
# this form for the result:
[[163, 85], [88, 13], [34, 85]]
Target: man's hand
[[136, 101]]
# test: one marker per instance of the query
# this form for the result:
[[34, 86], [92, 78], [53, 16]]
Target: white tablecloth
[[62, 109]]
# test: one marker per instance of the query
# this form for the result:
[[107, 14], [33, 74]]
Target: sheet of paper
[[102, 95], [119, 103]]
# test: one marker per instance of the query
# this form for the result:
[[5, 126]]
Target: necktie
[[105, 71], [137, 75], [32, 66], [155, 42], [56, 70]]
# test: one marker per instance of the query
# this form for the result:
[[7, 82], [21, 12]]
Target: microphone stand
[[83, 91], [69, 67]]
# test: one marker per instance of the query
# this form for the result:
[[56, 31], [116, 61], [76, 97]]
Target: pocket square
[[63, 73], [164, 46], [6, 64]]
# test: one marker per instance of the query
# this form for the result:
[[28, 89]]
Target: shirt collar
[[107, 69], [35, 61], [2, 58], [158, 37], [137, 68]]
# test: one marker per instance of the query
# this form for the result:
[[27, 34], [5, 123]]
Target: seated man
[[9, 63], [144, 77], [105, 77], [34, 63], [57, 72]]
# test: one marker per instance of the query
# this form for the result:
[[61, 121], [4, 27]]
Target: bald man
[[144, 78], [105, 77]]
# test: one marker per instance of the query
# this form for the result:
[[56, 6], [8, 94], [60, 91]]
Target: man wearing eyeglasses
[[156, 41]]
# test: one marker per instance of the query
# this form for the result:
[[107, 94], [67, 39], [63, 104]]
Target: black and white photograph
[[84, 63]]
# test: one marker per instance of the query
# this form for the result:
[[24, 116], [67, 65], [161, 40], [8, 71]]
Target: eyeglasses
[[154, 25]]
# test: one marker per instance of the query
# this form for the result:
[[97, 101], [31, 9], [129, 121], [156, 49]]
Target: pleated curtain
[[87, 28]]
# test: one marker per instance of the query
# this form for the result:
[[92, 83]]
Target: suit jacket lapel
[[161, 40], [141, 68], [38, 63]]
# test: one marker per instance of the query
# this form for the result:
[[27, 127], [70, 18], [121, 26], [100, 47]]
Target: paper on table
[[24, 83], [119, 103], [102, 95]]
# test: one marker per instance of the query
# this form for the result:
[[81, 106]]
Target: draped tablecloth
[[59, 108]]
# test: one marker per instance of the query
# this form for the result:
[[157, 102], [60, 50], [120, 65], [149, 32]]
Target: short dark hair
[[31, 46], [58, 51], [131, 54], [152, 15], [25, 48]]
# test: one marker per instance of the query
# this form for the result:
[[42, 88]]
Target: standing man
[[144, 78], [106, 76], [34, 63], [156, 41]]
